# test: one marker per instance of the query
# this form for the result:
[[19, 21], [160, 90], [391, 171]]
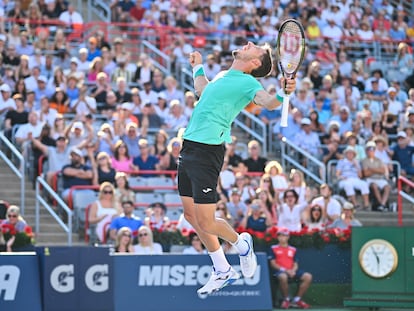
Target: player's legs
[[305, 282]]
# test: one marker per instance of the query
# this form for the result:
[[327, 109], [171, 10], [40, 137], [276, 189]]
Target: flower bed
[[22, 239]]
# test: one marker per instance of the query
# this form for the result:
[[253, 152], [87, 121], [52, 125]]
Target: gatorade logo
[[62, 278], [9, 280], [97, 278]]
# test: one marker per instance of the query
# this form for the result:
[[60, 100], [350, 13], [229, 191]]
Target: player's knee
[[307, 277], [283, 278]]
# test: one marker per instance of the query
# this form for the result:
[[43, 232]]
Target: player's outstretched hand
[[290, 85], [195, 58]]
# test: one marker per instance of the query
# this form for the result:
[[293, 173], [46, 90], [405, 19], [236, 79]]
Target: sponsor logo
[[207, 190], [9, 280], [97, 278], [188, 275], [62, 278]]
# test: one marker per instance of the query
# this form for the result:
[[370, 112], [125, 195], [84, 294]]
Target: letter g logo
[[62, 278]]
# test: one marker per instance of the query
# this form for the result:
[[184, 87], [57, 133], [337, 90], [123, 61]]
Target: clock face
[[378, 258]]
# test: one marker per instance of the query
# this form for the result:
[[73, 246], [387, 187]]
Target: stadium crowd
[[99, 118]]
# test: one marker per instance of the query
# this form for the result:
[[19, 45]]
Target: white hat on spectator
[[2, 37], [5, 88], [78, 125], [391, 90], [74, 60], [127, 106], [410, 111], [217, 48], [344, 108], [348, 205], [76, 151], [305, 121], [83, 51], [402, 134], [42, 79], [162, 95], [370, 144], [349, 149]]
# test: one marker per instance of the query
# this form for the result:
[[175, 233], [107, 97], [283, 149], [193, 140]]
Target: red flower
[[28, 231]]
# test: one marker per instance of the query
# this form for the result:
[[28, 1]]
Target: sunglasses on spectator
[[266, 180], [220, 209], [142, 234], [126, 234], [12, 216], [107, 192]]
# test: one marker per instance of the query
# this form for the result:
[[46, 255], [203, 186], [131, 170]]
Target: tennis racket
[[290, 49]]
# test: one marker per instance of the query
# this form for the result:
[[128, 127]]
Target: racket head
[[290, 47]]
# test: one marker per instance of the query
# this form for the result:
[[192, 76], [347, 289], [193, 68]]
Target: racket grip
[[285, 112]]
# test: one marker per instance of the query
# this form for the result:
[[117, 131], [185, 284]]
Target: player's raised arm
[[271, 102], [200, 79]]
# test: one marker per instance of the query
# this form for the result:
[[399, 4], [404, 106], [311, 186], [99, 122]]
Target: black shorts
[[199, 167]]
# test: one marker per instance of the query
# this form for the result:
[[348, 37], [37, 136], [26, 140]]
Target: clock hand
[[376, 255]]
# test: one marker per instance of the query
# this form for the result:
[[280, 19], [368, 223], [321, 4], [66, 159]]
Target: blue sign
[[77, 278], [170, 282], [19, 282]]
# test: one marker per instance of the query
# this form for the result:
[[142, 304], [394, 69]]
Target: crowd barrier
[[90, 279]]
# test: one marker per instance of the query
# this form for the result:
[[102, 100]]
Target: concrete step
[[56, 238]]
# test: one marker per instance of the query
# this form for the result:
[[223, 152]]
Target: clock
[[378, 258]]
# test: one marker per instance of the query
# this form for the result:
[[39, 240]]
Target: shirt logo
[[207, 190]]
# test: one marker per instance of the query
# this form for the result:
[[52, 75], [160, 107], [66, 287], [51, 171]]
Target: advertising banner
[[19, 282], [170, 283], [77, 278]]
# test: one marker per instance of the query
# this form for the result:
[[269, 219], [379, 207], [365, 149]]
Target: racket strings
[[290, 48]]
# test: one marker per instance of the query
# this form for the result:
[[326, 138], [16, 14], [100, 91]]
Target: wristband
[[198, 70], [280, 94], [282, 269]]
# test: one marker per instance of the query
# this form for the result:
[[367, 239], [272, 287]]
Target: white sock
[[296, 299], [220, 262], [241, 245]]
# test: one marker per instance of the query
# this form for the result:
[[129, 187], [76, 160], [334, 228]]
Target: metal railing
[[41, 182], [291, 154], [186, 79], [403, 195], [256, 130], [20, 172], [100, 8], [160, 60]]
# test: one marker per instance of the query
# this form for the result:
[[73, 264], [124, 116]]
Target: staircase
[[50, 231]]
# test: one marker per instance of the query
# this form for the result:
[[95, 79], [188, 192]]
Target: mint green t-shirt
[[221, 101]]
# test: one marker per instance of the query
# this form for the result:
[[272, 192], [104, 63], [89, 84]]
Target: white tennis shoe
[[218, 280], [248, 262]]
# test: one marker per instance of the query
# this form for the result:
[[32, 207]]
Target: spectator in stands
[[126, 219], [83, 63], [145, 70], [236, 207], [313, 73], [294, 119], [147, 94], [131, 139], [76, 173], [290, 212], [58, 156], [15, 219], [172, 91], [146, 244], [123, 241], [297, 182], [149, 118], [77, 134], [196, 246], [15, 116], [121, 71], [95, 67], [347, 218], [122, 161], [226, 178], [233, 157], [6, 102], [30, 102], [307, 139], [145, 161], [42, 89], [267, 199], [176, 118], [254, 162], [332, 31], [315, 219], [136, 12], [331, 208], [102, 168], [223, 212], [11, 57], [402, 153], [279, 181], [351, 139], [158, 81], [284, 262], [106, 140], [46, 114], [211, 68], [244, 187], [122, 189], [349, 175], [377, 175], [71, 17], [264, 114], [72, 88], [60, 101], [257, 218], [159, 148], [104, 210], [84, 104], [344, 120], [169, 161], [94, 56], [31, 129], [189, 103]]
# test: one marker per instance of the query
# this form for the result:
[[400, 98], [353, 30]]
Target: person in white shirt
[[46, 114], [331, 208], [395, 107], [146, 244], [176, 118], [148, 95], [83, 63], [29, 130], [290, 212], [307, 139], [84, 104], [196, 247], [211, 68], [332, 31], [6, 102], [70, 16]]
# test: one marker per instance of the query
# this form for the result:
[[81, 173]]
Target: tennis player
[[202, 154]]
